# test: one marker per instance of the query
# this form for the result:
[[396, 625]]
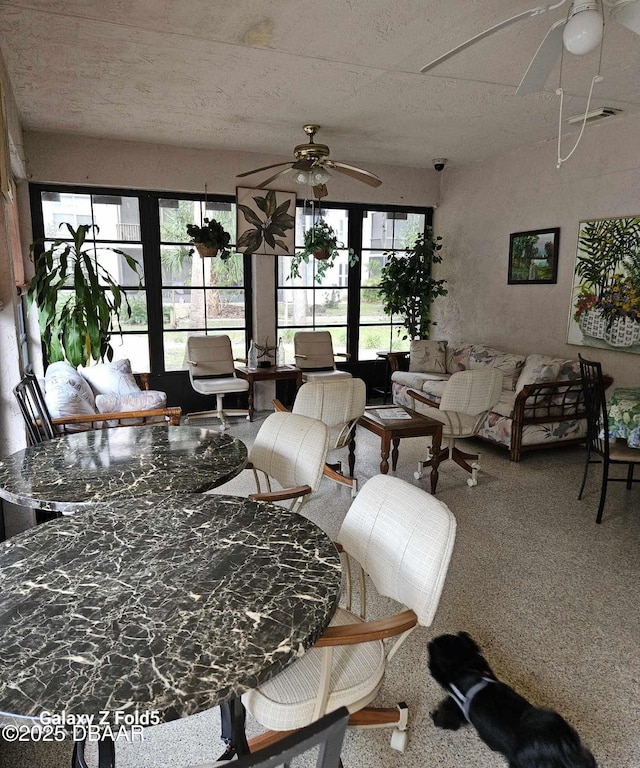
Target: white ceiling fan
[[580, 32]]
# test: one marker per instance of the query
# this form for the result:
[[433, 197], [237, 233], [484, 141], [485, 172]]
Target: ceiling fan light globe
[[319, 176], [583, 32], [302, 177]]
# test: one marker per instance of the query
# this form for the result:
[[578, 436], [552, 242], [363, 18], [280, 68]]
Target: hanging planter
[[210, 239], [320, 243]]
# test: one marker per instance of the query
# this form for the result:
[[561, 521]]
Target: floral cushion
[[114, 378], [66, 393], [416, 380], [538, 369], [426, 356], [469, 357], [140, 401]]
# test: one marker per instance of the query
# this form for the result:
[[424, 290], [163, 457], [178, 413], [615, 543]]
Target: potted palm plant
[[210, 239], [407, 287], [321, 243], [76, 325]]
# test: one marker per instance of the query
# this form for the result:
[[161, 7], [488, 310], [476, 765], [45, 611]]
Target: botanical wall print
[[265, 221], [533, 256], [605, 303]]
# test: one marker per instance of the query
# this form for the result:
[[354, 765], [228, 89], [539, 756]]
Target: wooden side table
[[393, 430], [272, 373]]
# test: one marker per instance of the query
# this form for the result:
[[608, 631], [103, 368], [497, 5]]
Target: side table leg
[[394, 453], [250, 401], [435, 462], [384, 454], [352, 453]]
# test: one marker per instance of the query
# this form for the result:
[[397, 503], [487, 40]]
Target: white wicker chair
[[314, 356], [290, 449], [211, 372], [338, 403], [467, 397], [401, 537]]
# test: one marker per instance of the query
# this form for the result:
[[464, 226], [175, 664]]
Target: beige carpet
[[552, 598]]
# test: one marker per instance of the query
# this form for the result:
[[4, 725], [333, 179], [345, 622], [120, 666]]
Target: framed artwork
[[5, 156], [533, 256], [265, 221], [605, 297]]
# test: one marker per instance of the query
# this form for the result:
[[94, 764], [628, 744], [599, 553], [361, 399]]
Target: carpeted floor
[[551, 597]]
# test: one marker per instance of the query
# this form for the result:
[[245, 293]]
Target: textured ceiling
[[247, 74]]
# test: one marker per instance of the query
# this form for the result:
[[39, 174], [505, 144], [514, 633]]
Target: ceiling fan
[[311, 164], [580, 32]]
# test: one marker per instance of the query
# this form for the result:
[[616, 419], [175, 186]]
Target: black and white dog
[[529, 737]]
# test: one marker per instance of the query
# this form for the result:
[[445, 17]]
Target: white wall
[[519, 191]]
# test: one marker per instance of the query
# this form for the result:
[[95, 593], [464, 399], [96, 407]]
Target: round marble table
[[172, 603], [72, 471]]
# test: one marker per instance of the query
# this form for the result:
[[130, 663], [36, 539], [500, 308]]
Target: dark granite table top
[[64, 474], [172, 603]]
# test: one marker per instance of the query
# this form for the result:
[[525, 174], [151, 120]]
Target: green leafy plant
[[76, 325], [277, 220], [407, 287], [321, 243], [211, 235]]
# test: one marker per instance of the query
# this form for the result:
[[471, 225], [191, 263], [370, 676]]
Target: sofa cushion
[[140, 401], [505, 404], [469, 357], [114, 378], [63, 373], [427, 356], [416, 380], [66, 393], [538, 369]]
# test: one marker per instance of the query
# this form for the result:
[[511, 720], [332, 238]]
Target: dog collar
[[464, 700]]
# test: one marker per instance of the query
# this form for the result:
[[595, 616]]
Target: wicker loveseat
[[541, 404], [103, 395]]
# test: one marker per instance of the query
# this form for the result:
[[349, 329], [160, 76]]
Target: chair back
[[34, 409], [327, 733], [313, 351], [291, 449], [596, 403], [209, 357], [472, 392], [338, 403], [403, 538]]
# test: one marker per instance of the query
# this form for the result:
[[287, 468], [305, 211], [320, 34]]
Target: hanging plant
[[210, 239], [77, 325], [320, 243]]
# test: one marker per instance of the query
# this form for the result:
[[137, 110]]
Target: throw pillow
[[114, 378], [537, 370], [63, 374], [426, 356], [140, 401]]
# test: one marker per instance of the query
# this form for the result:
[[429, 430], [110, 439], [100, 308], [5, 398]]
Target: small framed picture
[[533, 256]]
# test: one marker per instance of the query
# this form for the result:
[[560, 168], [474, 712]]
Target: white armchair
[[401, 537], [315, 357]]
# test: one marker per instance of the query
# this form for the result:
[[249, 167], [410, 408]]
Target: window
[[181, 293], [305, 304], [346, 301]]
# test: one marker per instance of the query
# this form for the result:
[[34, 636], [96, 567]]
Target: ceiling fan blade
[[543, 61], [264, 168], [357, 173], [490, 31], [275, 176], [627, 14]]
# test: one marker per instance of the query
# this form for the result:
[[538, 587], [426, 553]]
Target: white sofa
[[541, 405]]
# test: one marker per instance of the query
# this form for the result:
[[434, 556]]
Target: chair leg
[[630, 476], [333, 472], [586, 470], [603, 491], [373, 717]]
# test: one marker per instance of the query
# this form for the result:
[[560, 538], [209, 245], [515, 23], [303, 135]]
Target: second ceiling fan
[[579, 32]]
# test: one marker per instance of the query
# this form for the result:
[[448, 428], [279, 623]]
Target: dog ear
[[469, 641]]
